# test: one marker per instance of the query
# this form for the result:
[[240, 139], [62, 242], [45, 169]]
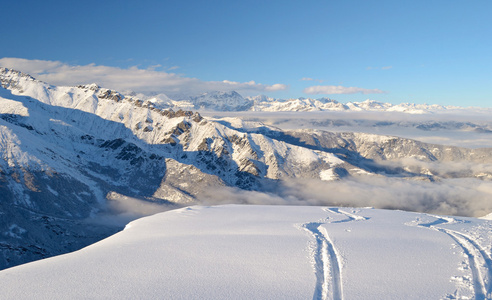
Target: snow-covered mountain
[[70, 154], [222, 101], [271, 252], [300, 104], [326, 104], [66, 151], [232, 101]]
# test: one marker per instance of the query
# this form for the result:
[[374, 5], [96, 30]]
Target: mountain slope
[[65, 150], [271, 252], [70, 154]]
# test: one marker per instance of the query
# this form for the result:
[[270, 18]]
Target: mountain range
[[71, 157], [233, 101]]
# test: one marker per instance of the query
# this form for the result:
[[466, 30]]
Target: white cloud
[[276, 87], [337, 89], [32, 66], [133, 78]]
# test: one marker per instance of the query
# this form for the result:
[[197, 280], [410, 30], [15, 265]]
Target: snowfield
[[271, 252]]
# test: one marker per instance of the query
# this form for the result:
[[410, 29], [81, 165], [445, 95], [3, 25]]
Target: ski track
[[327, 259], [326, 263], [478, 257], [350, 217]]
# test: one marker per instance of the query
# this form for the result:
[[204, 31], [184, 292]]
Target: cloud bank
[[463, 197], [133, 78], [337, 89]]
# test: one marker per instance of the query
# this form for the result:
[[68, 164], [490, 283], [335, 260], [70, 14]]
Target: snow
[[271, 252], [327, 175], [15, 231], [487, 217], [361, 172]]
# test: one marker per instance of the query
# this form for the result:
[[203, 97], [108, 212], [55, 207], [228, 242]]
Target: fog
[[467, 197], [464, 128], [463, 197], [119, 210]]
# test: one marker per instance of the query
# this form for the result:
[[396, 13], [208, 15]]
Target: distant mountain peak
[[92, 86], [221, 100], [222, 94], [11, 73]]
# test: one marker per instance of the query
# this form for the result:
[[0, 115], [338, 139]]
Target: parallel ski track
[[477, 257], [326, 264], [327, 259]]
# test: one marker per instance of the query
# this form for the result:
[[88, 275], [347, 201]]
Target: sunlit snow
[[271, 252]]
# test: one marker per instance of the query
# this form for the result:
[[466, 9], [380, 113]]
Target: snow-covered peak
[[298, 104], [6, 74], [222, 101], [92, 86], [260, 98], [16, 80], [368, 105]]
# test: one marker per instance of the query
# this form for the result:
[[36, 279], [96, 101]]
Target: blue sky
[[436, 52]]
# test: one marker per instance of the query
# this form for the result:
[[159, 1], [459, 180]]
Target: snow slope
[[271, 252]]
